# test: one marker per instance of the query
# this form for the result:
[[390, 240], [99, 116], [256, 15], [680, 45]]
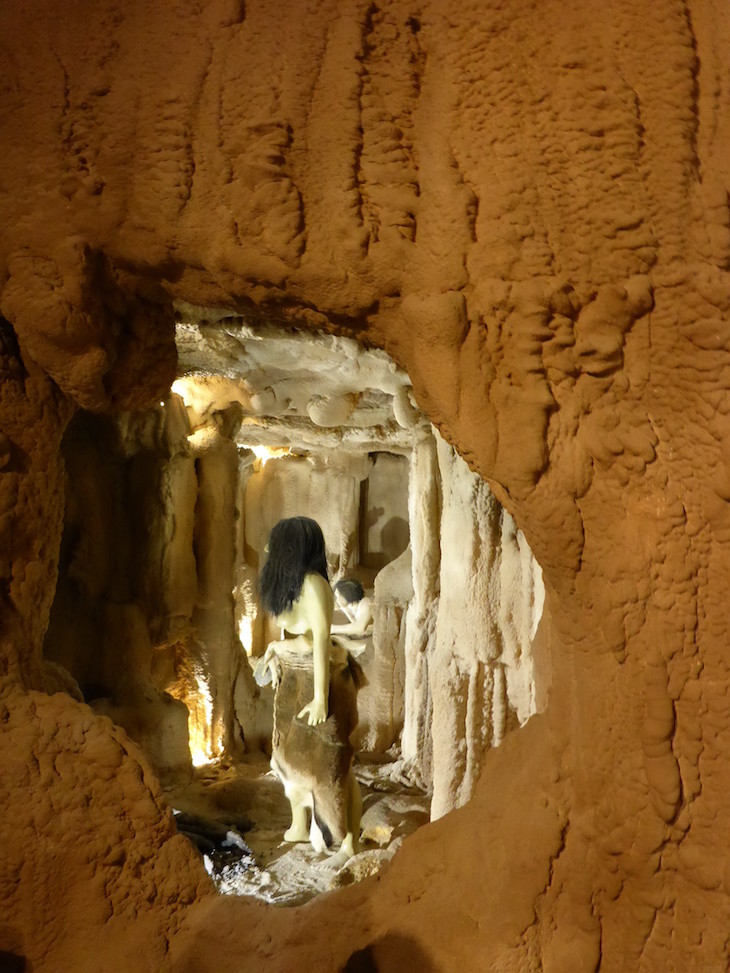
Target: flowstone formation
[[526, 206]]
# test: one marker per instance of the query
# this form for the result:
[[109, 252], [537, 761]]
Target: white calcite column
[[213, 621], [424, 515], [480, 671], [380, 703]]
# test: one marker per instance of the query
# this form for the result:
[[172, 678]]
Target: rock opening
[[157, 620]]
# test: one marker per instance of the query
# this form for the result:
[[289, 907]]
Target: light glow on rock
[[204, 742], [265, 453]]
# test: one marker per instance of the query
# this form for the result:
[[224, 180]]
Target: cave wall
[[381, 704], [489, 604], [324, 486], [384, 532], [143, 612], [527, 206]]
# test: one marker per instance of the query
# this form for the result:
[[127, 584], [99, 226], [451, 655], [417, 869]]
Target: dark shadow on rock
[[391, 954], [396, 538], [12, 963]]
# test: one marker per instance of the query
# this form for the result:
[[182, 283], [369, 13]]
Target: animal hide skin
[[316, 758]]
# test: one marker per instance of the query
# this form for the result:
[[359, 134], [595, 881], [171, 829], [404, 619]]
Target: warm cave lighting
[[184, 388], [245, 633], [202, 438], [204, 741], [265, 453]]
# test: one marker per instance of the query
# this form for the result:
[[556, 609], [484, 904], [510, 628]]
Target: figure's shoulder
[[316, 581], [316, 587]]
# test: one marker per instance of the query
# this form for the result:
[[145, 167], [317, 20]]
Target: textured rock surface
[[527, 206], [84, 823], [481, 686]]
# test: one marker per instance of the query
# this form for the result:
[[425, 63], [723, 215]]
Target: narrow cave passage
[[157, 618]]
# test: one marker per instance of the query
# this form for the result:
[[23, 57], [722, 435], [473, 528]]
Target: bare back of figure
[[313, 759]]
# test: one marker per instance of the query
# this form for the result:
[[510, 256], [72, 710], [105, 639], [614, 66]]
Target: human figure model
[[350, 597], [311, 749]]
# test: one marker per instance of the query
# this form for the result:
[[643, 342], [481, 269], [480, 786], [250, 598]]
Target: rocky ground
[[237, 815]]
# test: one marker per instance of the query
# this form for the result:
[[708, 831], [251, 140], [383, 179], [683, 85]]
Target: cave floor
[[248, 800]]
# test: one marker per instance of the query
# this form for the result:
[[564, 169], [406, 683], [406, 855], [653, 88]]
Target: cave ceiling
[[304, 392]]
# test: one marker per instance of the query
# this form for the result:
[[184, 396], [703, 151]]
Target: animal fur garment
[[317, 758]]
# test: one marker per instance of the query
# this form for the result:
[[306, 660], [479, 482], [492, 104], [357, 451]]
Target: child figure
[[350, 597]]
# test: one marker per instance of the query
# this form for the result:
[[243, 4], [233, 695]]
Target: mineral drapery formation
[[526, 205]]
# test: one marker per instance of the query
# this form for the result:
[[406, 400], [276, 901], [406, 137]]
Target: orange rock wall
[[526, 204]]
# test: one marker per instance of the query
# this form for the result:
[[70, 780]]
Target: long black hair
[[296, 548]]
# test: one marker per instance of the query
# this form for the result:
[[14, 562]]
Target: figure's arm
[[363, 617], [268, 668], [315, 602]]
